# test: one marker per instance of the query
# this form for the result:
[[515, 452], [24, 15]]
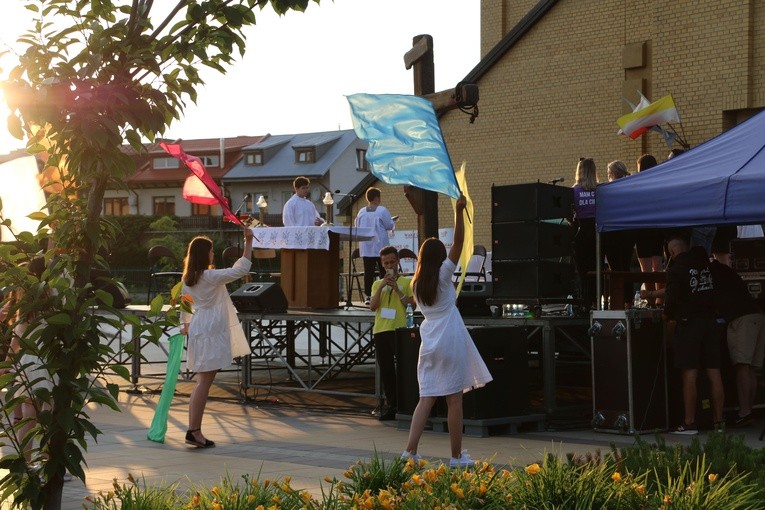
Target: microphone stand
[[348, 299]]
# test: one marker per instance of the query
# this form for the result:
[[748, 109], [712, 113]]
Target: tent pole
[[598, 272]]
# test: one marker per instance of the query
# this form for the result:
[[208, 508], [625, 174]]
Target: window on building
[[164, 206], [254, 158], [361, 160], [210, 161], [116, 206], [201, 210], [305, 155], [163, 163]]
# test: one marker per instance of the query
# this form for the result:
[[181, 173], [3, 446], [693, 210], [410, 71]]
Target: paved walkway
[[277, 439]]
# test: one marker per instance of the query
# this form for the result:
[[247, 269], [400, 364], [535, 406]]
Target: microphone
[[556, 181]]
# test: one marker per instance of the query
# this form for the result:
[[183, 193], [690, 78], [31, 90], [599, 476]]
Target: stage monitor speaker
[[532, 279], [259, 297], [472, 299], [748, 254], [755, 284], [535, 201], [531, 240]]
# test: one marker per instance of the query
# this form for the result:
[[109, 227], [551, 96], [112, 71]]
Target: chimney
[[222, 152]]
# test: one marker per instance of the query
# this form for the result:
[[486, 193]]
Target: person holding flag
[[215, 335], [449, 363]]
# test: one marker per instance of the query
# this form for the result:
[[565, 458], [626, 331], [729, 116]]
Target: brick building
[[553, 74]]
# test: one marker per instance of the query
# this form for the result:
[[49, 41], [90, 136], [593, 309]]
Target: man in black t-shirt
[[689, 300]]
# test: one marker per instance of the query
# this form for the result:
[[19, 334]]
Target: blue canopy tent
[[720, 181]]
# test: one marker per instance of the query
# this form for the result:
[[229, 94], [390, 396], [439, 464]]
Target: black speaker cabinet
[[629, 371], [472, 299], [748, 254], [505, 352], [503, 349], [531, 240], [532, 279], [259, 297], [534, 201], [755, 284]]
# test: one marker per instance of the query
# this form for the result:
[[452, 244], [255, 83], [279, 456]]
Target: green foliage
[[721, 451], [410, 485], [128, 249], [93, 76]]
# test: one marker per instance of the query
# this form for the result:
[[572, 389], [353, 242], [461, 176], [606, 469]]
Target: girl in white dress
[[212, 326], [449, 363]]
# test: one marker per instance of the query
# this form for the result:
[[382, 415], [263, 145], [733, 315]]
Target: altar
[[310, 264]]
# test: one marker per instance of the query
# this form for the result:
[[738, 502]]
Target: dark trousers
[[373, 270], [385, 352]]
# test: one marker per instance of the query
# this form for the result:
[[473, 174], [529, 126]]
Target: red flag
[[198, 169], [195, 191]]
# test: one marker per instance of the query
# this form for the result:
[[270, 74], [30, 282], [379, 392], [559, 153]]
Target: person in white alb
[[376, 217], [299, 211]]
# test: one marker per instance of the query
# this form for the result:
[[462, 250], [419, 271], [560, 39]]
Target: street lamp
[[262, 204], [329, 202]]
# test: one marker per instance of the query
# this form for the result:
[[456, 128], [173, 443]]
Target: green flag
[[159, 423]]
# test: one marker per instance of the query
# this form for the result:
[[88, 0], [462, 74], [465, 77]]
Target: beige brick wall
[[556, 95]]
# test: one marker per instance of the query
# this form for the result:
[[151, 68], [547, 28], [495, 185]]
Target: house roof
[[513, 36], [279, 160], [147, 176]]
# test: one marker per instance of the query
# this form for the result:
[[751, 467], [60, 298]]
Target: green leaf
[[59, 319], [122, 371]]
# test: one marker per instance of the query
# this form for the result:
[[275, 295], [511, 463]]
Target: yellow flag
[[467, 246]]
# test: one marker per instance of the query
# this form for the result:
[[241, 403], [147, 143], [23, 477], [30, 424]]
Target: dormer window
[[164, 163], [305, 155], [211, 161], [361, 160], [254, 158]]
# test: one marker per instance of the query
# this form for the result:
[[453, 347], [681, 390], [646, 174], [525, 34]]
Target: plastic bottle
[[409, 316], [637, 301]]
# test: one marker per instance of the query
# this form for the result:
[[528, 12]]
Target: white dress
[[211, 325], [449, 361]]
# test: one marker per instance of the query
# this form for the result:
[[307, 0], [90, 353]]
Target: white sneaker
[[464, 461], [408, 455]]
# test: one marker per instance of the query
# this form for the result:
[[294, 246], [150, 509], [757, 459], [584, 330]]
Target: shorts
[[649, 243], [698, 343], [746, 339]]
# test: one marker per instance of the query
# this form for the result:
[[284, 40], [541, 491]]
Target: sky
[[298, 68]]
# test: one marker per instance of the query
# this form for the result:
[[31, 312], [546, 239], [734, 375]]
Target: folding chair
[[163, 267]]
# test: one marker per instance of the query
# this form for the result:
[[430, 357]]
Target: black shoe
[[190, 439], [389, 414]]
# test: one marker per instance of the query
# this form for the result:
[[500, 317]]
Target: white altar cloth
[[306, 238]]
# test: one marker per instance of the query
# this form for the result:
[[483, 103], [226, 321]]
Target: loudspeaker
[[532, 279], [505, 352], [755, 284], [748, 254], [259, 297], [472, 299], [535, 201], [531, 240]]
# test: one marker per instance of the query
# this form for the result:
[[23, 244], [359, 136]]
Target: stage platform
[[331, 352]]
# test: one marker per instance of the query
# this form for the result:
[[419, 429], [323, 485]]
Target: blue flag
[[405, 141]]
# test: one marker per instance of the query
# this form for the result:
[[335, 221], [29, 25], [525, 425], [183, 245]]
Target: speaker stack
[[531, 243]]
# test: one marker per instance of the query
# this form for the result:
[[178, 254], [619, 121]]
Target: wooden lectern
[[309, 277]]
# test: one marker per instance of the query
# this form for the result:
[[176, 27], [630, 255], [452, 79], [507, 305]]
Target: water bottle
[[637, 301], [569, 305], [409, 316]]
